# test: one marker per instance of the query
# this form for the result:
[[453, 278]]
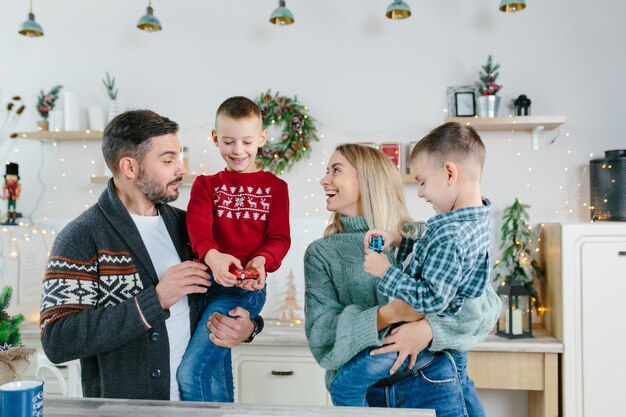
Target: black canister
[[608, 186]]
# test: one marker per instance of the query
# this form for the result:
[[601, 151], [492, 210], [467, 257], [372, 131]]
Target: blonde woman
[[347, 319]]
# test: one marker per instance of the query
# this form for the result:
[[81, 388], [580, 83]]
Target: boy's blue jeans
[[442, 384], [205, 373], [349, 387], [472, 402]]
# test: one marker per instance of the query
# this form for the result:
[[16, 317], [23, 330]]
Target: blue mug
[[21, 399]]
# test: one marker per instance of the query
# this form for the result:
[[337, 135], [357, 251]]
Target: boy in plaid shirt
[[452, 259]]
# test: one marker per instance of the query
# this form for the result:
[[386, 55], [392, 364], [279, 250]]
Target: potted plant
[[109, 84], [13, 356], [45, 103], [488, 100]]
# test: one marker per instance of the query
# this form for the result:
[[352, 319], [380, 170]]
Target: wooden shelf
[[47, 136], [408, 178], [187, 180], [525, 123], [532, 124]]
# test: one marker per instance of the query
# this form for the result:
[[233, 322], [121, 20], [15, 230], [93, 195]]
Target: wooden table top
[[97, 407]]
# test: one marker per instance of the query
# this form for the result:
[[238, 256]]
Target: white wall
[[363, 77]]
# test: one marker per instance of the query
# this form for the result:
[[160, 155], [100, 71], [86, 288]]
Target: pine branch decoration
[[9, 326], [487, 79], [517, 245]]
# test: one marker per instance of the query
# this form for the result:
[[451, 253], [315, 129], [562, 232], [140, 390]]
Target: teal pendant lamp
[[149, 22], [282, 16], [512, 6], [398, 10], [30, 28]]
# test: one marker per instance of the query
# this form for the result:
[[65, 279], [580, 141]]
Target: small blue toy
[[376, 243]]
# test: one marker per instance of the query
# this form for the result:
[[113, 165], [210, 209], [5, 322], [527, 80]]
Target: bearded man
[[121, 291]]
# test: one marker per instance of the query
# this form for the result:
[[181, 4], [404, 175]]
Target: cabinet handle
[[282, 373], [621, 253]]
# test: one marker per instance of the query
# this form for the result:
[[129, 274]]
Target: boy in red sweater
[[237, 219]]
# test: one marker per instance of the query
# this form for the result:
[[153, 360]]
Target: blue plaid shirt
[[451, 262]]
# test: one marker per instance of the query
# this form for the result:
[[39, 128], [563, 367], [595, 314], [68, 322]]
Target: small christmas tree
[[517, 261], [290, 307], [13, 356], [487, 79], [9, 326]]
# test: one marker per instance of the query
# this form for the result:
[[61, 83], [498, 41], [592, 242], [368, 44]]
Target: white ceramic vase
[[95, 115], [114, 110]]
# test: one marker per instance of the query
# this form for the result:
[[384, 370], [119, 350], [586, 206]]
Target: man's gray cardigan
[[99, 302]]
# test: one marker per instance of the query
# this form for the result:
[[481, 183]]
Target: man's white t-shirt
[[163, 255]]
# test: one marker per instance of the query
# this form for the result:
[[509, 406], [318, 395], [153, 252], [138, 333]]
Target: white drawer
[[275, 379]]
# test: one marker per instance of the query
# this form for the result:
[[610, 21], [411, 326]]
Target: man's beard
[[153, 191]]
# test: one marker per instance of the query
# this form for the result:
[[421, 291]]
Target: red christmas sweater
[[241, 214]]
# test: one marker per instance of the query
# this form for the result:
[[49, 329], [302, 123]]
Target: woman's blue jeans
[[205, 373]]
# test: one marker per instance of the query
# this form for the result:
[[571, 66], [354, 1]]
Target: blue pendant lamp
[[398, 10], [30, 28], [149, 22], [281, 15], [512, 6]]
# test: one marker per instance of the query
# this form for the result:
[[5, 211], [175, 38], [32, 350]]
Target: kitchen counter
[[496, 363], [542, 341], [96, 407]]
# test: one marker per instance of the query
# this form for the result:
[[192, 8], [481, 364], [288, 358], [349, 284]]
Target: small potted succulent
[[488, 99], [109, 84]]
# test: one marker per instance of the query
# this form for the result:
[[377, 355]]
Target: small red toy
[[246, 274]]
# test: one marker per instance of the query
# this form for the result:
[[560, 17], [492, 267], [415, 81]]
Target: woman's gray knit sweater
[[341, 303]]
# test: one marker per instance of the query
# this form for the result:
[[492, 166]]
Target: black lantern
[[515, 320], [522, 106]]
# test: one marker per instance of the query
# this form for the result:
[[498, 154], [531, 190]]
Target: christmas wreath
[[298, 130]]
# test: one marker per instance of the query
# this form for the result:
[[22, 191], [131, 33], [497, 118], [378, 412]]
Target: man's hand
[[408, 340], [220, 267], [186, 278], [258, 264], [389, 238], [375, 263], [228, 332]]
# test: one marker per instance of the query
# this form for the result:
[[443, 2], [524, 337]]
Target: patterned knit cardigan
[[99, 302]]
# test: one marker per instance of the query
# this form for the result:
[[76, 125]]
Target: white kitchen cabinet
[[586, 284], [278, 375]]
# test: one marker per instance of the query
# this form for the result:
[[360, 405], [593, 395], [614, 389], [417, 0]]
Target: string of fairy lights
[[305, 191]]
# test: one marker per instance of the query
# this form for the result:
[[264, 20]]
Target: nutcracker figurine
[[11, 190]]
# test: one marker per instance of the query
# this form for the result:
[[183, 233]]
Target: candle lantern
[[522, 106], [515, 320]]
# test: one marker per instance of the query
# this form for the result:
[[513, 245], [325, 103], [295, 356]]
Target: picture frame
[[452, 100], [394, 152], [465, 104]]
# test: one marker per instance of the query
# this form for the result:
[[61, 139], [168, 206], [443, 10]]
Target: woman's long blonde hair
[[381, 190]]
